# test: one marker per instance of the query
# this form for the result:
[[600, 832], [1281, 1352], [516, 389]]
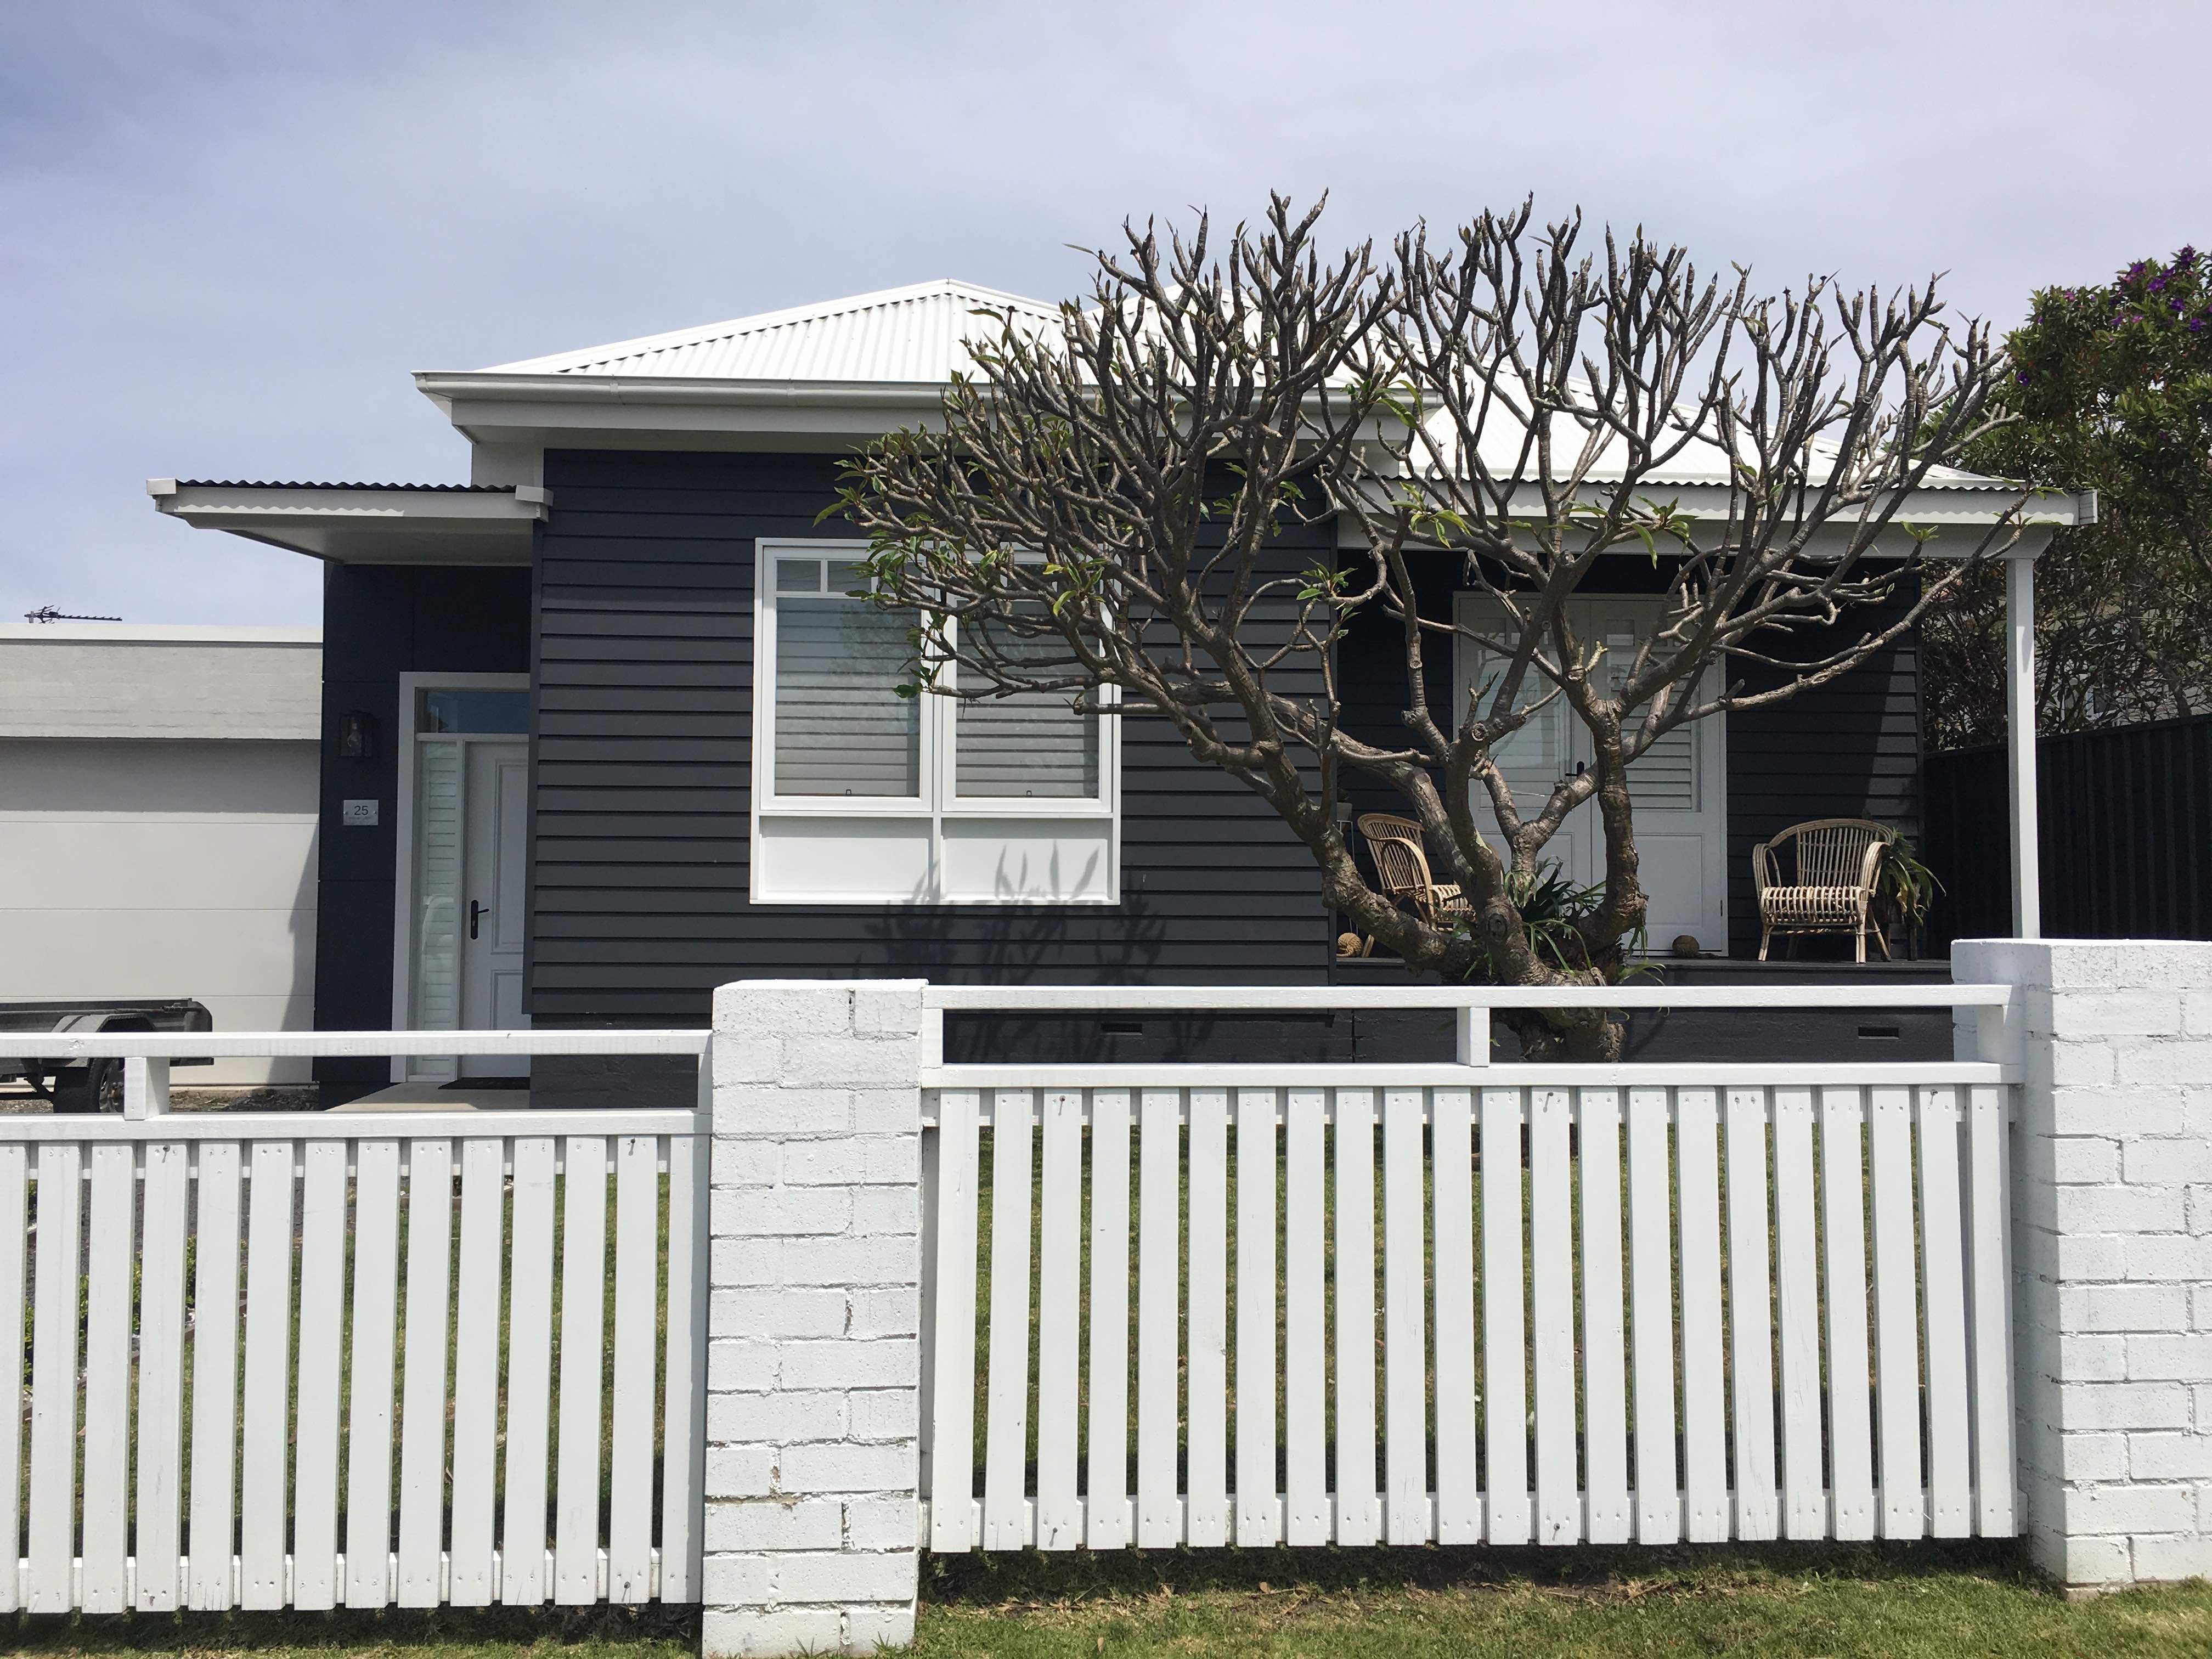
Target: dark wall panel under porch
[[380, 621], [643, 785]]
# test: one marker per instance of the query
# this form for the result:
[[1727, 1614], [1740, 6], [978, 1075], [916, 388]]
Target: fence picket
[[637, 1296], [14, 1213], [1159, 1206], [1798, 1308], [1751, 1316], [1551, 1270], [684, 1409], [1459, 1477], [423, 1380], [1605, 1379], [1943, 1302], [1206, 1477], [1405, 1322], [1705, 1392], [215, 1376], [1060, 1310], [1989, 1286], [1896, 1312], [1504, 1359], [156, 1508], [583, 1321], [1851, 1448], [522, 1577], [369, 1419], [1651, 1289], [1306, 1517], [476, 1370], [53, 1380], [1259, 1516], [953, 1351], [112, 1239], [321, 1365], [263, 1533], [1106, 1521], [1358, 1513], [1007, 1423]]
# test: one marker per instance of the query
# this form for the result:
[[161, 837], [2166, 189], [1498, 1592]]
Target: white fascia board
[[367, 526], [628, 412]]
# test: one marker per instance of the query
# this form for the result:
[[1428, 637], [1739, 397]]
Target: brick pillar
[[2111, 1251], [813, 1359]]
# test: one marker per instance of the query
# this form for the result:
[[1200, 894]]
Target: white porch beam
[[2019, 745]]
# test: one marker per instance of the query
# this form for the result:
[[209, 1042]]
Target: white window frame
[[403, 848], [936, 804]]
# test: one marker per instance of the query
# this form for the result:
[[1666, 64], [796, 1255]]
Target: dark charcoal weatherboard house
[[602, 732]]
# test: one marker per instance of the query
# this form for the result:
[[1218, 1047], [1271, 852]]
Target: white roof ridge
[[759, 322]]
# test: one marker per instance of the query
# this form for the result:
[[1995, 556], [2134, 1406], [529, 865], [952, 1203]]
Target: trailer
[[92, 1086]]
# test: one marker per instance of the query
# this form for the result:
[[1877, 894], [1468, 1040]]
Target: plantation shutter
[[1535, 758], [840, 726], [1029, 745], [1664, 777]]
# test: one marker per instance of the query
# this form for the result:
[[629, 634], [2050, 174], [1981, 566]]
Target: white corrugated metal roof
[[1700, 461], [914, 337], [910, 334]]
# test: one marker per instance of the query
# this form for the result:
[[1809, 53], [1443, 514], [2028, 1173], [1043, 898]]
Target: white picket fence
[[1646, 1303], [267, 1370]]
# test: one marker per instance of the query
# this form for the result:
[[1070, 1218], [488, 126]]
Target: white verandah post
[[2020, 744]]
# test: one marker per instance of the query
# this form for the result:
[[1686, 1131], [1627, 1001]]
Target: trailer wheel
[[95, 1086]]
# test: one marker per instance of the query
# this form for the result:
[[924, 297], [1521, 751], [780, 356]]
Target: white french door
[[463, 922], [1677, 787], [493, 898]]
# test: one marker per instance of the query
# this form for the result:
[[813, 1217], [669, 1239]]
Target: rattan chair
[[1828, 886], [1402, 865]]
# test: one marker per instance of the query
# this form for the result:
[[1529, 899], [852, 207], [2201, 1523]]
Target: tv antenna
[[47, 613]]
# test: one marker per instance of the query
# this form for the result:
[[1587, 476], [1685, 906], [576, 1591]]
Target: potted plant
[[1904, 891]]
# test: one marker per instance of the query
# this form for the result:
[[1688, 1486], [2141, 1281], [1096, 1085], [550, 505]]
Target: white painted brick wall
[[814, 1319], [2113, 1251]]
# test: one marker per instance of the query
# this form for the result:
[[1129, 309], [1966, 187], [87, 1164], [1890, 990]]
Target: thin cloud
[[236, 228]]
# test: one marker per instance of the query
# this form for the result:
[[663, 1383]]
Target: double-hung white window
[[861, 796]]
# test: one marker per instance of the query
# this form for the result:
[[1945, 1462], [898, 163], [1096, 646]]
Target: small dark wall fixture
[[357, 735]]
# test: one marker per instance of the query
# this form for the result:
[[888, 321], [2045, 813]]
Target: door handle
[[477, 912]]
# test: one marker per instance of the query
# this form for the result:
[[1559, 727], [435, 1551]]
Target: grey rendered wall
[[163, 869]]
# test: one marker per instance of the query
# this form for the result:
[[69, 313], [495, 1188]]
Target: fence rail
[[1188, 1305], [358, 1360]]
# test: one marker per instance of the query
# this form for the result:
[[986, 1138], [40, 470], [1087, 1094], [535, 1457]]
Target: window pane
[[1028, 745], [799, 576], [840, 726], [471, 711]]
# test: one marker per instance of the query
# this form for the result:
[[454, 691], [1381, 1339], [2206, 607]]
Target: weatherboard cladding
[[643, 655]]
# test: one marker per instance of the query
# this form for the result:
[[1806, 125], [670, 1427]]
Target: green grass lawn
[[1950, 1600]]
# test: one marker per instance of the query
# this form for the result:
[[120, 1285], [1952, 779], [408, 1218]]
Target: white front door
[[1677, 787], [492, 896]]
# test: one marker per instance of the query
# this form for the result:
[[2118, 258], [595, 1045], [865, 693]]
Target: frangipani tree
[[1098, 517]]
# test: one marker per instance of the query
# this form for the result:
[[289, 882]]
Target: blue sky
[[232, 229]]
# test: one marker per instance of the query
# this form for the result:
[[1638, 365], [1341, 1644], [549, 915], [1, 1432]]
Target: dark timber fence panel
[[2126, 817]]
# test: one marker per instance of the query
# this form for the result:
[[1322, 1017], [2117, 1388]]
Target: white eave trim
[[398, 526]]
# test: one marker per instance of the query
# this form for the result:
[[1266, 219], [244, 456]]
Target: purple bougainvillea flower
[[2022, 375], [2185, 258], [2196, 325], [2158, 284]]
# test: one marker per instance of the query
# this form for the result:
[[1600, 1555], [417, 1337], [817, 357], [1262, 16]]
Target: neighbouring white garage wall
[[158, 797]]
